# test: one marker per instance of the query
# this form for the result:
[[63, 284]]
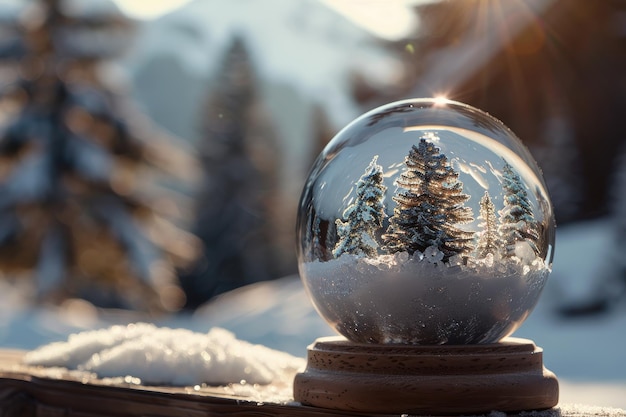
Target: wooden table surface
[[28, 392]]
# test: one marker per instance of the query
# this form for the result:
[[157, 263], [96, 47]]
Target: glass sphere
[[425, 221]]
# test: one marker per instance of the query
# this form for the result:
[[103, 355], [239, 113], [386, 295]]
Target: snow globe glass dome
[[425, 222]]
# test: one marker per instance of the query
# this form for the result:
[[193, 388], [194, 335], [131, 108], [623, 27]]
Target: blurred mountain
[[306, 56]]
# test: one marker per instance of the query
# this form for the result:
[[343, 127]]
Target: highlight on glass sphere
[[425, 221]]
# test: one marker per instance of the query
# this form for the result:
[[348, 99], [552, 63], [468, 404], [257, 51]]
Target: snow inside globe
[[425, 221]]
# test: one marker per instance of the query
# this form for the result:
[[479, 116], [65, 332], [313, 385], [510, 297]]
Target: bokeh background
[[152, 154]]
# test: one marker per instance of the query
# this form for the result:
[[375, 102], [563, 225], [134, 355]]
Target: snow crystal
[[433, 255], [489, 259], [525, 252], [164, 356]]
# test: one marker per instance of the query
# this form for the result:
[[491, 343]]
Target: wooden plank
[[24, 392]]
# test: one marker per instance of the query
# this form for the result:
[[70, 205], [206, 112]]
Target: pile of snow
[[162, 356]]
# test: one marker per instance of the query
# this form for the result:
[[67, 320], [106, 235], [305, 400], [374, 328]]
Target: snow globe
[[425, 236]]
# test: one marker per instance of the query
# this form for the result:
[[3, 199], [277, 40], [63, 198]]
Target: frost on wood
[[164, 356], [364, 217]]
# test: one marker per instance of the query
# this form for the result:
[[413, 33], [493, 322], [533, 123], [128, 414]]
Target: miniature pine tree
[[315, 234], [364, 217], [489, 238], [75, 188], [517, 222], [237, 198], [428, 212]]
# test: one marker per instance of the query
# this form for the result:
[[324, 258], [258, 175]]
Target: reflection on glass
[[425, 223]]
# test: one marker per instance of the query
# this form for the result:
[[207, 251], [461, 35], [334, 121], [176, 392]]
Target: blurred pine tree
[[85, 201], [238, 208]]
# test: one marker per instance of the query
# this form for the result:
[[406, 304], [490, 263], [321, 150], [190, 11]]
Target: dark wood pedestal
[[507, 376]]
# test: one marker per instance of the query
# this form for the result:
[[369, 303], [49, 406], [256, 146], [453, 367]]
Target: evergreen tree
[[364, 217], [559, 157], [428, 212], [235, 204], [517, 222], [75, 182], [489, 239], [618, 215]]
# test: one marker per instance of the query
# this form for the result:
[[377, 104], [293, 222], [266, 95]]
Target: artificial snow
[[420, 300], [153, 355]]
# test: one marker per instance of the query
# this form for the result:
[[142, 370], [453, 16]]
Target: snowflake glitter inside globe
[[425, 221]]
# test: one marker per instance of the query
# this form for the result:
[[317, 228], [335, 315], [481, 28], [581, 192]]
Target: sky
[[144, 9], [396, 16]]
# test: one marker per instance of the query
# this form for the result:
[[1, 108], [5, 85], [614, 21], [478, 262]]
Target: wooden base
[[508, 376]]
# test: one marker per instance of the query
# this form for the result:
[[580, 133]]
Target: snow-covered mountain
[[304, 44], [304, 54]]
